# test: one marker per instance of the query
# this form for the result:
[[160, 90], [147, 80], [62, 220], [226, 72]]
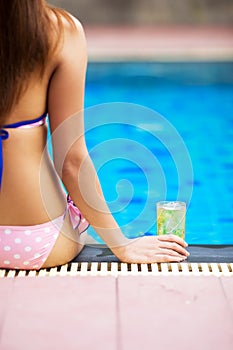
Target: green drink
[[171, 218]]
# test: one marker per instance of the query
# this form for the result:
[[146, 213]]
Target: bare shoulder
[[73, 29], [74, 40], [66, 89], [74, 43], [73, 24]]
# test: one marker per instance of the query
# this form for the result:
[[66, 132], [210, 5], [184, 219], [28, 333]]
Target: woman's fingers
[[158, 257], [173, 246], [171, 252], [173, 238], [169, 258]]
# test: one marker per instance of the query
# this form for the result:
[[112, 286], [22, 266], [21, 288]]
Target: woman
[[42, 71]]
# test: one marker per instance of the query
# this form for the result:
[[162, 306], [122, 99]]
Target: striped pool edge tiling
[[124, 269]]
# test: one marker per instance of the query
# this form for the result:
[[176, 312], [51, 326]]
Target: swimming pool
[[138, 168]]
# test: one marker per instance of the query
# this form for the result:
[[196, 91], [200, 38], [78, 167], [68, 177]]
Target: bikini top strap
[[25, 122], [4, 135]]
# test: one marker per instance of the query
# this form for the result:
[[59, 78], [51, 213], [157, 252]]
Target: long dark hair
[[25, 45]]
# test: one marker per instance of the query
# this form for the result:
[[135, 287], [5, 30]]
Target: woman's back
[[22, 186], [22, 155]]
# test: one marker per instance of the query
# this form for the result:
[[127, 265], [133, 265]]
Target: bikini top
[[4, 134]]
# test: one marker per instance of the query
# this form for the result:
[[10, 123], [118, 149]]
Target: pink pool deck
[[179, 43], [116, 313]]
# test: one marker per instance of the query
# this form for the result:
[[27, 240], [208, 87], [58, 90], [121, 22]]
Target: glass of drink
[[171, 218]]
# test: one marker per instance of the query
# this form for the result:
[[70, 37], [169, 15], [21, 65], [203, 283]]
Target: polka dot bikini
[[28, 247]]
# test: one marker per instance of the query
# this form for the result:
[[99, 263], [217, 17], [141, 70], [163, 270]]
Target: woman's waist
[[19, 219], [30, 204]]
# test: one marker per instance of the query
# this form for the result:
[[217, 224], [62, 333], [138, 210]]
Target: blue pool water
[[139, 154]]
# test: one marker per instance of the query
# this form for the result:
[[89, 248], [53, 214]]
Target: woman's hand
[[152, 249]]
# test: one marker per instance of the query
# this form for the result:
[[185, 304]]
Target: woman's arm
[[74, 166], [72, 161]]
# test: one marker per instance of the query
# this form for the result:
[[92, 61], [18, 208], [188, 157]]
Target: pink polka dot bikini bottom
[[28, 247]]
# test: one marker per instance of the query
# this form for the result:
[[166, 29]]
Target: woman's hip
[[52, 243]]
